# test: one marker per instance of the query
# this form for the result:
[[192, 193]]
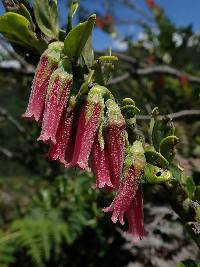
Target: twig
[[22, 130], [126, 58], [177, 197], [12, 53], [10, 118], [27, 72], [155, 70], [119, 79], [138, 9], [169, 71], [173, 116], [138, 22], [6, 152]]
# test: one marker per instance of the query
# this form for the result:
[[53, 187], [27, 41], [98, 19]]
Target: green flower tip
[[92, 18], [96, 93], [107, 58], [112, 107], [56, 46], [128, 101]]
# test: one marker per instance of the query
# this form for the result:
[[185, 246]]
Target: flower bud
[[47, 64], [56, 100], [100, 164], [133, 169], [136, 217], [87, 126], [115, 140]]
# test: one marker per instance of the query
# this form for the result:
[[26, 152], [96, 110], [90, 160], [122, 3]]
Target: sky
[[181, 12]]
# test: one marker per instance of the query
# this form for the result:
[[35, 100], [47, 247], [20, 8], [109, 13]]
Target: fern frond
[[7, 249], [41, 233]]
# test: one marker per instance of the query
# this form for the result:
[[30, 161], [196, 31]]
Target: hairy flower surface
[[133, 169], [47, 64], [115, 140], [87, 127], [56, 100], [136, 217], [64, 137], [100, 164]]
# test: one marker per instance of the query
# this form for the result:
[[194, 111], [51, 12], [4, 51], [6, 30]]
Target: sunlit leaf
[[167, 147], [46, 14], [77, 38], [72, 10], [155, 158], [16, 28]]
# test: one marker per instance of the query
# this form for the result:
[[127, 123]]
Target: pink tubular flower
[[133, 169], [115, 140], [64, 140], [100, 164], [47, 64], [56, 100], [136, 217], [123, 198], [87, 127]]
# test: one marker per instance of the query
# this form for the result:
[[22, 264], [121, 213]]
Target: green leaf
[[72, 10], [156, 175], [76, 39], [190, 187], [161, 129], [46, 14], [167, 147], [16, 28], [176, 171], [7, 249], [88, 53], [129, 111], [188, 263], [128, 101], [180, 265], [22, 10], [155, 158], [19, 8]]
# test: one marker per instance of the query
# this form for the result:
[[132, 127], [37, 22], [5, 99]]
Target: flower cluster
[[90, 133], [128, 199]]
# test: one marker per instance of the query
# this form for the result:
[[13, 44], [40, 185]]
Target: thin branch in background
[[146, 71], [14, 55], [20, 128], [138, 9], [174, 116], [119, 79], [162, 69], [4, 113], [11, 52], [6, 152], [26, 72], [123, 57], [139, 22], [25, 134]]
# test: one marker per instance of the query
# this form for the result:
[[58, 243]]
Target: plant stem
[[185, 208]]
